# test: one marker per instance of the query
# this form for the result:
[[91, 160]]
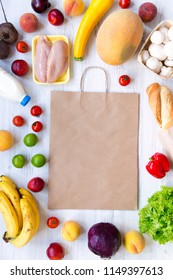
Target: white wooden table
[[148, 141]]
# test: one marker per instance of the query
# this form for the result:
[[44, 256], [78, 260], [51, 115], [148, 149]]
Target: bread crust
[[153, 92], [166, 107], [161, 102]]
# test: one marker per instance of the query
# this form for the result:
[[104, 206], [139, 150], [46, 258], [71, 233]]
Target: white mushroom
[[168, 62], [166, 71], [157, 51], [164, 30], [170, 33], [157, 37], [168, 49], [144, 56], [154, 64]]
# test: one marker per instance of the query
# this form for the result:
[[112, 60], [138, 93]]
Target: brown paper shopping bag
[[93, 150]]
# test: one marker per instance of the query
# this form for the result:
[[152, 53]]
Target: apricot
[[73, 7], [29, 22], [6, 140], [134, 242], [71, 230]]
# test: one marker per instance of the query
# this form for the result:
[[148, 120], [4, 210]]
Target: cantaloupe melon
[[119, 37]]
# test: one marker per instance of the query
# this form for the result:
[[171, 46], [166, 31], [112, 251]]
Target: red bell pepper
[[158, 165]]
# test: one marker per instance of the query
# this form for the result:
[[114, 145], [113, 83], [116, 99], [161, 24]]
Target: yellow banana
[[14, 197], [9, 215], [28, 229], [25, 193], [94, 13], [5, 178]]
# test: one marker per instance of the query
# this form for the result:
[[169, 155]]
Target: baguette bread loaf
[[161, 102]]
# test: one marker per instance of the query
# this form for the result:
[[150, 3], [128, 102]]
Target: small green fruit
[[38, 160], [30, 139], [18, 161]]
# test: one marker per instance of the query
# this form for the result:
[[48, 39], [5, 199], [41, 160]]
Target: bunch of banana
[[20, 212]]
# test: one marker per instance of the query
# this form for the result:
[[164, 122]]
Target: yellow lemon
[[6, 140], [71, 230]]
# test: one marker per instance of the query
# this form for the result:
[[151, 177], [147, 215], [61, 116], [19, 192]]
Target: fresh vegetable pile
[[156, 218]]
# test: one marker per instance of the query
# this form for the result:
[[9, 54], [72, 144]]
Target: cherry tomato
[[37, 126], [36, 111], [124, 4], [18, 121], [22, 47], [52, 222], [124, 80], [20, 67]]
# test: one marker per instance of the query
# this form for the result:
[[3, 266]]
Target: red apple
[[55, 17], [55, 251], [147, 11], [36, 184]]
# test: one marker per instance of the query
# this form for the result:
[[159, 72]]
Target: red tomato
[[22, 47], [18, 121], [124, 4], [158, 165], [52, 222], [124, 80], [36, 111], [37, 126]]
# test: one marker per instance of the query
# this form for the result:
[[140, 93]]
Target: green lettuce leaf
[[156, 218]]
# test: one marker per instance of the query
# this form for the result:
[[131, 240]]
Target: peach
[[71, 230], [73, 7], [6, 140], [29, 22], [134, 242]]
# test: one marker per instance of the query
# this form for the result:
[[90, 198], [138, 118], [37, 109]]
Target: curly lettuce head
[[156, 218]]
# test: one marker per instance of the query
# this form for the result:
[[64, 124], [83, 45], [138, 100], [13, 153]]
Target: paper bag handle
[[84, 74]]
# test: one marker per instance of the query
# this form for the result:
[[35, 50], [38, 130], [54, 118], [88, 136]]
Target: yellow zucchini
[[94, 13]]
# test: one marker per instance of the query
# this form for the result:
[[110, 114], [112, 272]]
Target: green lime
[[18, 161], [38, 160], [30, 139]]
